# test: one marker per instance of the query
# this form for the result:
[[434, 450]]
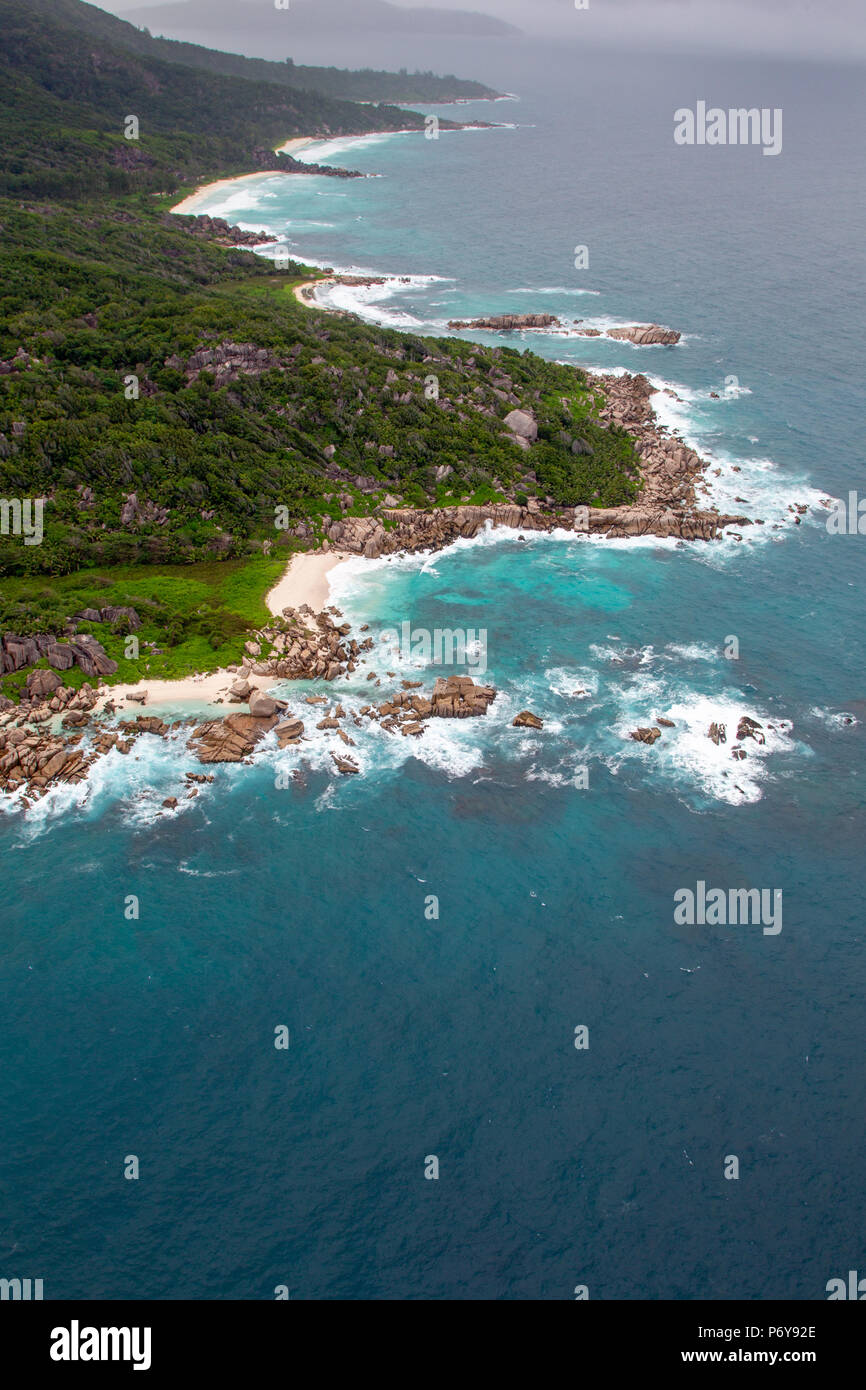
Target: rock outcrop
[[508, 323], [127, 616], [218, 230], [527, 720], [666, 506], [645, 334], [750, 728], [229, 740], [523, 425], [227, 362], [81, 650], [458, 697], [305, 646]]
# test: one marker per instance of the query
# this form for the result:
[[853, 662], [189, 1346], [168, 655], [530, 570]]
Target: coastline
[[305, 582], [308, 645], [205, 191]]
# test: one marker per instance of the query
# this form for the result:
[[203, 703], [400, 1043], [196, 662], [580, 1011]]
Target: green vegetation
[[208, 457], [194, 617], [67, 95], [169, 397]]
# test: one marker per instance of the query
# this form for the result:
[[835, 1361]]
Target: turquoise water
[[554, 856]]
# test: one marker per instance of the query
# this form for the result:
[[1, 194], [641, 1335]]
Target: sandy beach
[[207, 190], [192, 203], [305, 581], [306, 293], [299, 143]]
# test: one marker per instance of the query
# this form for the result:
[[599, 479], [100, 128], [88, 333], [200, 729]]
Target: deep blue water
[[305, 906]]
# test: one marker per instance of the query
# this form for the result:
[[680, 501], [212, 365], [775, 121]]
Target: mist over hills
[[210, 20]]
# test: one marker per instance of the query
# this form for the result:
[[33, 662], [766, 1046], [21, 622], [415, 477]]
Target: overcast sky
[[808, 28]]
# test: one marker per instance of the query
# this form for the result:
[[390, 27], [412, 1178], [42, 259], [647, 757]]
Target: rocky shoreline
[[668, 505], [55, 738], [56, 734]]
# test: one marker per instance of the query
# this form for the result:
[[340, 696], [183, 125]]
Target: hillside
[[366, 85], [166, 394], [238, 437], [67, 96]]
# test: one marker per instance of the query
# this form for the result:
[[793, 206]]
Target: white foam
[[686, 755], [580, 684], [834, 719], [564, 776], [768, 489], [369, 302], [552, 289], [324, 151], [140, 780], [690, 651]]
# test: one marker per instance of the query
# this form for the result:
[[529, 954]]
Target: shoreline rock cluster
[[305, 646], [508, 323], [222, 232], [37, 759], [53, 737], [640, 334]]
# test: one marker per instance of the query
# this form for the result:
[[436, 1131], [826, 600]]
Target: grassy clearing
[[194, 617]]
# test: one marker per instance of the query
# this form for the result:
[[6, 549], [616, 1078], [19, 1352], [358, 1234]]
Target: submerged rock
[[345, 765]]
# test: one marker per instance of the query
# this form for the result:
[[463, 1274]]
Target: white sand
[[299, 143], [305, 581], [207, 190], [201, 195], [192, 690], [306, 293]]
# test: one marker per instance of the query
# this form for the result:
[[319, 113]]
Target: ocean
[[436, 933]]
